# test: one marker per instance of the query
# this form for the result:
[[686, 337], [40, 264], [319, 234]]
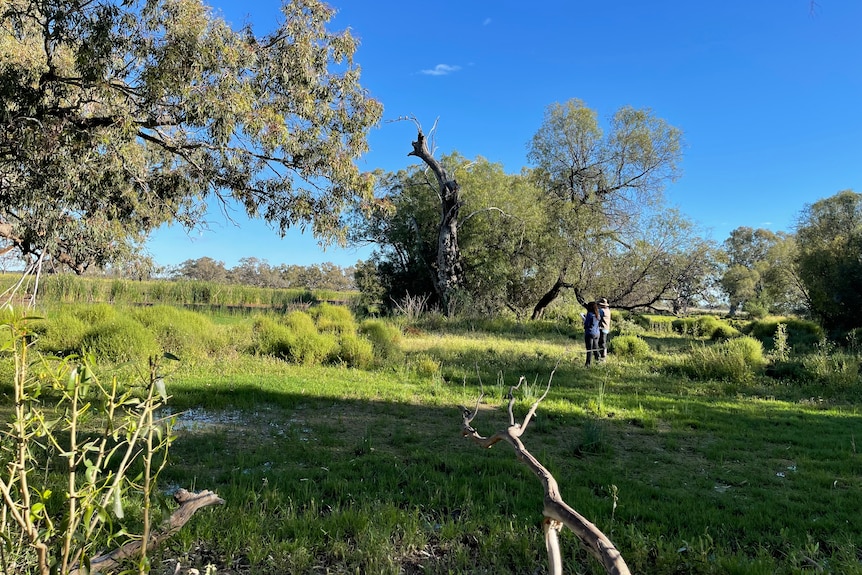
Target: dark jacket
[[591, 324]]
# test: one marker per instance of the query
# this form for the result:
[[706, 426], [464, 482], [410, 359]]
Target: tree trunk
[[550, 296], [449, 275]]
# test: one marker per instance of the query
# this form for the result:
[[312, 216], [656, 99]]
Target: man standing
[[604, 327]]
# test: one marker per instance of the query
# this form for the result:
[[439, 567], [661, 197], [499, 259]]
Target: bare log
[[556, 511], [189, 504]]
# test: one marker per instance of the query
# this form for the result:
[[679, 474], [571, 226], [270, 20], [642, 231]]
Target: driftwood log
[[189, 504], [557, 513]]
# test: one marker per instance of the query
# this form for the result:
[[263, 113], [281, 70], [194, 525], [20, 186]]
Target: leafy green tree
[[496, 229], [829, 239], [598, 189], [759, 275], [205, 269], [118, 116]]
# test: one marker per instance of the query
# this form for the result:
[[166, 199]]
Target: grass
[[326, 468]]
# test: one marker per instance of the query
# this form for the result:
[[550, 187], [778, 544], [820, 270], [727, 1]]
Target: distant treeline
[[257, 272], [70, 288]]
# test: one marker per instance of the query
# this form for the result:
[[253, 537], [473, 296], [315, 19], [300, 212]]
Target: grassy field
[[327, 468]]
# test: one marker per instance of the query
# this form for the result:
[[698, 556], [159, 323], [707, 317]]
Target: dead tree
[[449, 273], [557, 513]]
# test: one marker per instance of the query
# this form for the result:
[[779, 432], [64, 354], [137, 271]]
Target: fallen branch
[[557, 513], [189, 504]]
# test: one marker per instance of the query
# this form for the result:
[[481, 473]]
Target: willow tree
[[598, 186], [120, 115]]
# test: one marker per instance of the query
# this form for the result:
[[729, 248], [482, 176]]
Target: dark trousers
[[592, 343]]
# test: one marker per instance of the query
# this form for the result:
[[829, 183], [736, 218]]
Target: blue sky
[[768, 95]]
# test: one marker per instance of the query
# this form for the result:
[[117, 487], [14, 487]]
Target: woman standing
[[591, 332]]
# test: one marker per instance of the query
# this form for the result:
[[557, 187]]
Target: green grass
[[326, 468]]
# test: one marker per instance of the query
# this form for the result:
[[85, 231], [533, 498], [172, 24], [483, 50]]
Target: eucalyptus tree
[[759, 274], [829, 239], [120, 115], [597, 187]]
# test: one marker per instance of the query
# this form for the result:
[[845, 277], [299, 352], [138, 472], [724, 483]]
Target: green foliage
[[829, 237], [832, 367], [100, 154], [696, 326], [183, 333], [333, 318], [801, 334], [120, 339], [355, 351], [629, 346], [62, 334], [724, 331], [654, 323], [733, 360], [79, 470], [385, 337]]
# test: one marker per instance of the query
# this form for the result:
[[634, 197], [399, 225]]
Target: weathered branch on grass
[[557, 513], [189, 504]]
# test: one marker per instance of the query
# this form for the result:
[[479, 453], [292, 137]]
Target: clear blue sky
[[767, 93]]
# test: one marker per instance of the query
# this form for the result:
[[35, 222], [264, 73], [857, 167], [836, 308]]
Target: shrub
[[724, 331], [61, 333], [654, 323], [120, 339], [307, 345], [734, 360], [629, 346], [801, 333], [698, 326], [181, 332], [829, 366], [426, 366], [385, 338], [333, 318], [355, 351], [270, 338]]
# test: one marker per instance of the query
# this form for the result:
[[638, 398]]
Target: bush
[[307, 345], [385, 338], [802, 334], [181, 332], [699, 326], [654, 323], [735, 360], [61, 333], [333, 318], [629, 346], [120, 339], [270, 338], [724, 331], [355, 351]]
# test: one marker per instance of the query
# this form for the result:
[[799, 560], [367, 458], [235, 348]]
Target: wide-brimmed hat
[[604, 303]]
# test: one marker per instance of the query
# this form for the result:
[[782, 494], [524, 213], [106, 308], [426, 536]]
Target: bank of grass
[[327, 468]]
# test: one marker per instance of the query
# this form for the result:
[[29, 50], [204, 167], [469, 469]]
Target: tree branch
[[189, 504], [556, 511]]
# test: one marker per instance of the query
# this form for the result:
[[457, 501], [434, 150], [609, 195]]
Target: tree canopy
[[829, 239], [118, 116]]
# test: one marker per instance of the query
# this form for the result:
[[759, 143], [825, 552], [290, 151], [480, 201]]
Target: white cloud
[[441, 70]]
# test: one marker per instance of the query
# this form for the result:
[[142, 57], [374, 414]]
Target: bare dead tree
[[557, 513]]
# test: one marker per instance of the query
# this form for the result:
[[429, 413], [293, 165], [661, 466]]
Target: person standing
[[604, 327], [591, 332]]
